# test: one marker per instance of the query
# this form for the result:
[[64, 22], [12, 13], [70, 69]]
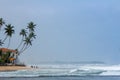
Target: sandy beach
[[12, 68]]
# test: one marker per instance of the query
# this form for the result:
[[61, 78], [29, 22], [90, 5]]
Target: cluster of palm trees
[[28, 35]]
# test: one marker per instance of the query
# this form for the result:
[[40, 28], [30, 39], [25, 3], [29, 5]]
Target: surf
[[66, 70]]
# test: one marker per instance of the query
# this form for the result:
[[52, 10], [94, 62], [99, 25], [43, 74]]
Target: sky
[[67, 30]]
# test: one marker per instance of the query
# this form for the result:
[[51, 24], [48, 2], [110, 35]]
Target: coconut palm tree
[[23, 33], [32, 35], [1, 22], [9, 31], [31, 26], [29, 38], [27, 43]]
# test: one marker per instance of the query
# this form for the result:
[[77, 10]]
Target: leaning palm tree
[[29, 38], [27, 43], [23, 33], [9, 31], [31, 26], [1, 22]]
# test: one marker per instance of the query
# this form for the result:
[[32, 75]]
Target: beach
[[12, 68], [61, 72]]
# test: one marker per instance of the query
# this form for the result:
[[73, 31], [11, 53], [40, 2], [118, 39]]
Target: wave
[[66, 70], [86, 72]]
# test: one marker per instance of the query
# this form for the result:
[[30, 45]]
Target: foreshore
[[12, 68]]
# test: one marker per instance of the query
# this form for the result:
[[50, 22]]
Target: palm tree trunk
[[20, 43], [9, 42], [5, 39], [0, 27], [25, 48], [22, 48]]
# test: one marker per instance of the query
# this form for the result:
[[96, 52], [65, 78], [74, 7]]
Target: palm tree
[[32, 35], [9, 32], [29, 38], [31, 26], [1, 22], [27, 43], [23, 33]]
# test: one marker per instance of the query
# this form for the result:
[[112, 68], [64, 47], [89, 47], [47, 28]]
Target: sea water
[[64, 78], [65, 72]]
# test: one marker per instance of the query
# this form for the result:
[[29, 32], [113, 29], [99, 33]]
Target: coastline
[[13, 68]]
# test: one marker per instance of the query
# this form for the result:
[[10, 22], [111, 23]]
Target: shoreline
[[13, 68]]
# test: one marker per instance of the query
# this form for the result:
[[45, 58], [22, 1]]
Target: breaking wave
[[57, 70]]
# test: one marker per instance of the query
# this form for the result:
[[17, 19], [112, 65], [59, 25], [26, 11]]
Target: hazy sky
[[67, 30]]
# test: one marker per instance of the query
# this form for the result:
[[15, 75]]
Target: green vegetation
[[27, 37], [5, 58]]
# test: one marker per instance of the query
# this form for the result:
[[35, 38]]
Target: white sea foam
[[67, 70]]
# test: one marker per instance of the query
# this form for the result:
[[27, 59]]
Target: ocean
[[65, 78], [65, 72]]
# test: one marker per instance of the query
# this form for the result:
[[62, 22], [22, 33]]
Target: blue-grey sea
[[65, 72], [66, 78]]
